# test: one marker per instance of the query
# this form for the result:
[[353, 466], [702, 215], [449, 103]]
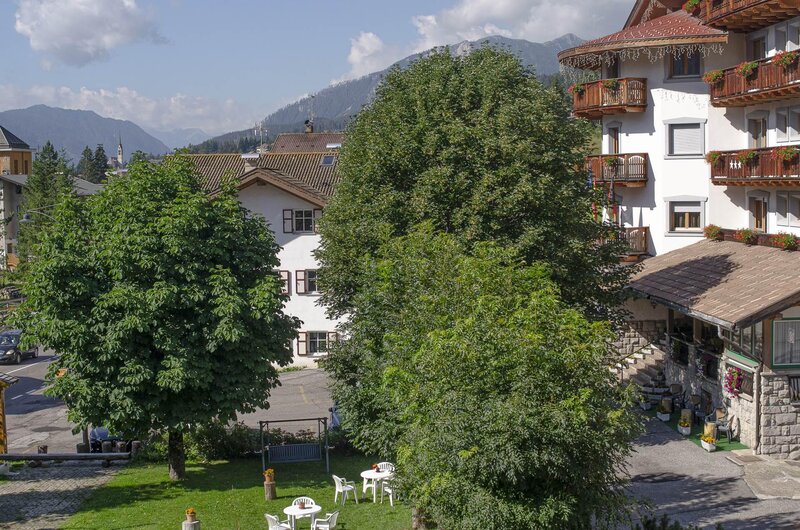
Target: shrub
[[746, 236], [713, 77], [784, 240], [713, 232]]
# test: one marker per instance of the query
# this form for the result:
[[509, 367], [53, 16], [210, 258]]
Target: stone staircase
[[645, 369]]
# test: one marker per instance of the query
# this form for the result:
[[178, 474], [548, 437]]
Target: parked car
[[10, 350]]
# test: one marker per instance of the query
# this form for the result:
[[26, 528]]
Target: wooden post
[[3, 433], [269, 491]]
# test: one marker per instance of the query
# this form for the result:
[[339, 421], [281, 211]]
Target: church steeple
[[120, 157]]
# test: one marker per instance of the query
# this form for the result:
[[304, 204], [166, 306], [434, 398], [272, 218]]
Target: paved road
[[692, 486]]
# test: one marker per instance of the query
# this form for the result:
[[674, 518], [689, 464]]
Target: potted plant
[[708, 443], [685, 427], [733, 381], [191, 515], [746, 236], [748, 157], [374, 467], [611, 84], [785, 59], [269, 475], [663, 413], [270, 492], [301, 505], [713, 232], [788, 153], [713, 157], [577, 88], [712, 77], [747, 68], [784, 240], [690, 6]]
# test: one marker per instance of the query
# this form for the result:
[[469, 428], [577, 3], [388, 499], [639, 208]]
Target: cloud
[[77, 32], [177, 111], [534, 20]]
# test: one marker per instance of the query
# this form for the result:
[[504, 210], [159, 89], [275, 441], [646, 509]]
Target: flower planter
[[664, 416], [686, 431], [646, 405], [708, 447]]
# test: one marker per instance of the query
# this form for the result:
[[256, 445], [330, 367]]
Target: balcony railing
[[769, 82], [637, 239], [747, 15], [769, 166], [629, 170], [610, 96]]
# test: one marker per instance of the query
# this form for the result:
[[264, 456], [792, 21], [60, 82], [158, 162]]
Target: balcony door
[[757, 49], [757, 132], [613, 140]]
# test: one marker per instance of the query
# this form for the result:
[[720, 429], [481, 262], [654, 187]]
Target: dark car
[[10, 351]]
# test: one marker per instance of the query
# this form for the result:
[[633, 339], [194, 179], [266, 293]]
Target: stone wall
[[780, 419], [639, 333]]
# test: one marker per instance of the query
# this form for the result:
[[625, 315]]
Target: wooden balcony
[[637, 240], [767, 169], [629, 170], [598, 98], [747, 15], [769, 82]]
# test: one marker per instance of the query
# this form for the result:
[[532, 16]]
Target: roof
[[306, 142], [82, 187], [303, 170], [7, 380], [723, 282], [9, 140], [645, 10], [674, 29]]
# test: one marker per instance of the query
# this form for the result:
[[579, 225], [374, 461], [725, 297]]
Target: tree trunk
[[418, 520], [176, 455]]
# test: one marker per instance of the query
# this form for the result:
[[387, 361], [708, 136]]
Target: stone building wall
[[780, 419], [639, 333]]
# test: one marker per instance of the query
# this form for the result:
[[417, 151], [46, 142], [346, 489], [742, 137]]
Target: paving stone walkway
[[43, 498]]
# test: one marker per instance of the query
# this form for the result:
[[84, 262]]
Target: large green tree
[[99, 165], [492, 394], [162, 303], [85, 168], [49, 179], [480, 148]]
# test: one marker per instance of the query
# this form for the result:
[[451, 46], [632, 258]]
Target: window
[[793, 37], [794, 388], [758, 213], [782, 125], [757, 132], [685, 139], [786, 342], [787, 208], [684, 65], [315, 342], [685, 216], [306, 282], [780, 38], [747, 341], [612, 70], [327, 160], [300, 221], [613, 140], [757, 49], [284, 276]]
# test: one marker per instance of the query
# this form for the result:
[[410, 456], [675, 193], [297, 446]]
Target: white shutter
[[288, 221], [317, 216], [302, 343], [782, 208], [285, 282], [300, 282], [686, 139]]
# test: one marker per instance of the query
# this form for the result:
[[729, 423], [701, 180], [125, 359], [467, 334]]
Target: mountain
[[335, 105], [179, 137], [72, 130]]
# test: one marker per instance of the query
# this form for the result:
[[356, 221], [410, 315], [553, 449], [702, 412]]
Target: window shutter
[[302, 343], [300, 282], [288, 221], [285, 282], [686, 139], [333, 337], [782, 208], [317, 216], [782, 125]]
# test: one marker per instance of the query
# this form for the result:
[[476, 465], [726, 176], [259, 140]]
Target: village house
[[699, 104]]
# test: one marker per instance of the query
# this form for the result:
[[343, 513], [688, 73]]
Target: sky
[[222, 65]]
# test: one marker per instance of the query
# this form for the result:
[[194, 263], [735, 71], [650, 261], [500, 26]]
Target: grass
[[229, 495], [697, 430]]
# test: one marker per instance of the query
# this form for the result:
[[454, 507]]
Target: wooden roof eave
[[268, 176], [616, 46]]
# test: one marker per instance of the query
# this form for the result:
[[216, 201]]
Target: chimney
[[309, 126], [250, 161]]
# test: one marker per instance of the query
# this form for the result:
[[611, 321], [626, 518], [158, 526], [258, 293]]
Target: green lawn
[[697, 431], [230, 495]]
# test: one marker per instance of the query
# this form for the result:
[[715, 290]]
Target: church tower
[[119, 152]]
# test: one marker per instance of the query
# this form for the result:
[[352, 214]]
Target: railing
[[620, 169], [628, 94], [715, 9], [747, 15], [637, 239], [767, 165], [767, 81]]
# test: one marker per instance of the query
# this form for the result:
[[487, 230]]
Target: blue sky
[[221, 65]]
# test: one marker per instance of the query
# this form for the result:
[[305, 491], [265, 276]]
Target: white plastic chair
[[386, 466], [344, 486], [308, 502], [276, 524], [388, 487], [328, 523]]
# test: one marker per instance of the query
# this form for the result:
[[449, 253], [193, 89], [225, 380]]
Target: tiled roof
[[675, 28], [724, 282], [306, 142], [9, 141], [7, 380], [299, 169]]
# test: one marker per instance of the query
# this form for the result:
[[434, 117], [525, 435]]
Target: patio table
[[294, 512], [376, 477]]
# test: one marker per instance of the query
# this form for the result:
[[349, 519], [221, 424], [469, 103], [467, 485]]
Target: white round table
[[294, 512], [376, 477]]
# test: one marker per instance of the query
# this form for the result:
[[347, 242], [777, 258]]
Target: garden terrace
[[629, 170], [768, 82], [768, 167], [747, 15], [610, 96]]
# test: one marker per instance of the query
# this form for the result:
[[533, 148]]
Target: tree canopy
[[477, 146], [162, 303]]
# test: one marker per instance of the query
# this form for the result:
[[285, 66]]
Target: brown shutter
[[302, 343], [317, 216], [288, 221], [285, 282], [300, 282]]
